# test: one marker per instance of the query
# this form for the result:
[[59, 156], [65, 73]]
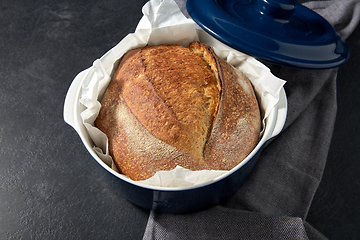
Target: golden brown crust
[[237, 125], [167, 105]]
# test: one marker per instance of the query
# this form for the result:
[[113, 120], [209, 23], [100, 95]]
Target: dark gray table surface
[[51, 188]]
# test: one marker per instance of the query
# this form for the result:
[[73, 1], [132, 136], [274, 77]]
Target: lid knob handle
[[279, 10]]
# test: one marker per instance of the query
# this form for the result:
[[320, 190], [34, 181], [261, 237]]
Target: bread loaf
[[168, 105]]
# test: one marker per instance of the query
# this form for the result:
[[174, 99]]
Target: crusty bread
[[168, 105]]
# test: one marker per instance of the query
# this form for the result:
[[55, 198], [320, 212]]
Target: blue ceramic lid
[[283, 32]]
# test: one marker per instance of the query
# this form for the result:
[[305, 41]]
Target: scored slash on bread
[[168, 105]]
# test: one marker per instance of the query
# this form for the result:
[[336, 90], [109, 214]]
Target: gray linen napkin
[[274, 201]]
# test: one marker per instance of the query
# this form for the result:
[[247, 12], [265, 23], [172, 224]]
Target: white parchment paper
[[163, 22]]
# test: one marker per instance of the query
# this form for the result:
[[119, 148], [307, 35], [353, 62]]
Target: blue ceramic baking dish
[[175, 199], [181, 31]]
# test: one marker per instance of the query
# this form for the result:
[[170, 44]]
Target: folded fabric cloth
[[274, 201]]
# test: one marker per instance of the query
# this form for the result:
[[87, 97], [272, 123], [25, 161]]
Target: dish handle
[[71, 100], [281, 115]]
